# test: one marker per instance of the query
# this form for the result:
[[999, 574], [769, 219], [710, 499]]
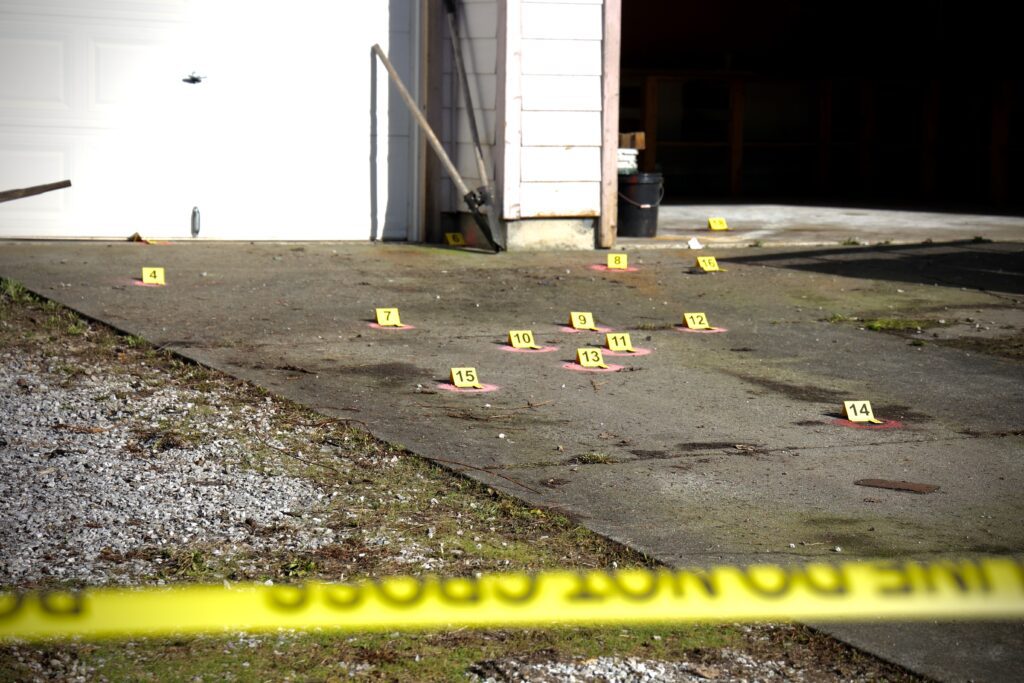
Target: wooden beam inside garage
[[611, 48]]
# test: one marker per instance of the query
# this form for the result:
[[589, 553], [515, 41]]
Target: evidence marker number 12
[[696, 321], [153, 276]]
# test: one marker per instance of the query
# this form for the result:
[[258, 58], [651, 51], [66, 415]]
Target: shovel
[[475, 199]]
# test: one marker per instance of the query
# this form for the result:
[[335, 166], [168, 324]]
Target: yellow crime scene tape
[[986, 588]]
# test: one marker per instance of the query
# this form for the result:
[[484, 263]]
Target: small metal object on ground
[[897, 485]]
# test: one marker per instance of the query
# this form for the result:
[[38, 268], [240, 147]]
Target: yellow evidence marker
[[522, 339], [153, 276], [590, 358], [618, 261], [717, 223], [455, 239], [859, 411], [619, 341], [580, 320], [466, 378], [709, 264], [696, 321], [388, 317]]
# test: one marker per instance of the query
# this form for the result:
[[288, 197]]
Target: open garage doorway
[[913, 104]]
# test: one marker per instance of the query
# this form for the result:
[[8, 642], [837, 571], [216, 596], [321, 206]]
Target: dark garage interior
[[906, 104]]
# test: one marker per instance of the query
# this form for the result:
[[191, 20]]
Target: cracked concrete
[[713, 448]]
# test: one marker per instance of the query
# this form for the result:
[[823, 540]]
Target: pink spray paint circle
[[886, 424], [543, 349], [139, 283], [484, 388], [573, 330], [612, 367], [392, 327], [605, 269], [637, 351], [713, 330]]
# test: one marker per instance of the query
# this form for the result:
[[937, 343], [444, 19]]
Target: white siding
[[552, 164]]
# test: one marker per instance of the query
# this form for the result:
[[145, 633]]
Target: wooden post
[[825, 139], [736, 88], [930, 139], [611, 44], [649, 157], [1000, 152]]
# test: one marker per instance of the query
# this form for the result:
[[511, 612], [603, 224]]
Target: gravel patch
[[730, 665], [100, 467]]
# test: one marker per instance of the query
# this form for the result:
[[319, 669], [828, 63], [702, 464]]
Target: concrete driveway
[[712, 448]]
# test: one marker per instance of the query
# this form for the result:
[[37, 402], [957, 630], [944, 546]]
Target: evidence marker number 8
[[618, 261]]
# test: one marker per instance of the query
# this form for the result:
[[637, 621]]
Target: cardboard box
[[632, 140]]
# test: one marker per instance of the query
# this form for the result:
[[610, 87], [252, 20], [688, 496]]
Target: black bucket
[[639, 197]]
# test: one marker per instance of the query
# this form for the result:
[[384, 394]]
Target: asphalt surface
[[713, 448]]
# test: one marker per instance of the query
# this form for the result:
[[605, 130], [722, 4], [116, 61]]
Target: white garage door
[[274, 143]]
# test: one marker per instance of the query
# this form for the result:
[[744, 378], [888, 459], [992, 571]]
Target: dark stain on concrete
[[388, 373], [807, 393], [691, 446], [899, 412]]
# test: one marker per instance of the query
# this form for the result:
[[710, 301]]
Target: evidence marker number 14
[[860, 411], [153, 276]]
